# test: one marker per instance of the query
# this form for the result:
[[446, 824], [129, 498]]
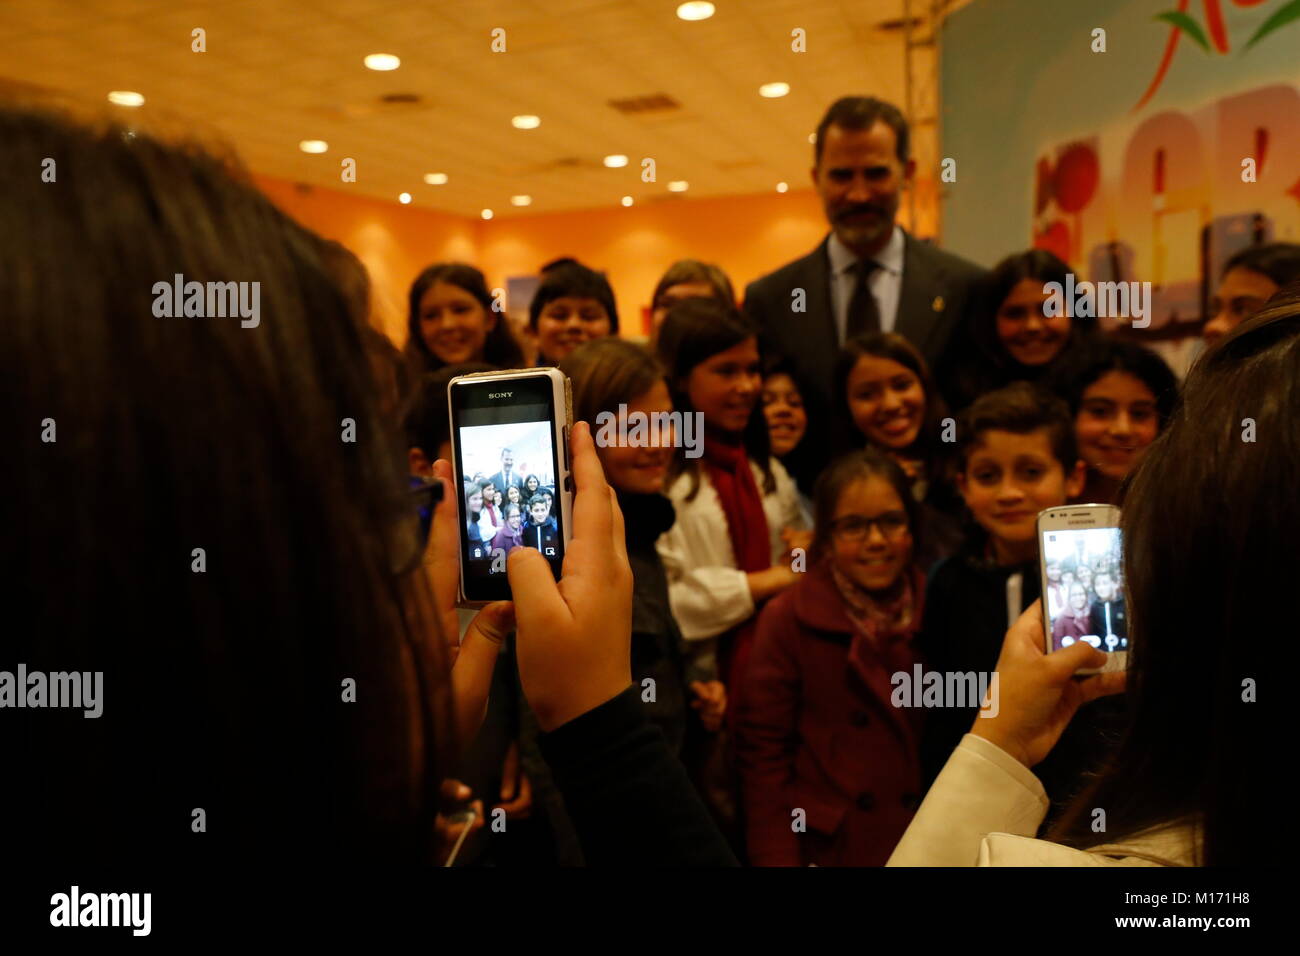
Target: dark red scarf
[[742, 505]]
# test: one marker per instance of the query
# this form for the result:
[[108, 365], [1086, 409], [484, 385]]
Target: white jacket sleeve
[[707, 596], [981, 790], [985, 808]]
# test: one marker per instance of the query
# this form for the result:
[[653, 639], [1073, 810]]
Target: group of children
[[780, 583], [1086, 600], [773, 603], [522, 518]]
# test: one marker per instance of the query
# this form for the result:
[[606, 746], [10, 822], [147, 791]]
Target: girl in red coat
[[830, 767]]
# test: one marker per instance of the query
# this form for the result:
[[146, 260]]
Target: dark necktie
[[864, 314]]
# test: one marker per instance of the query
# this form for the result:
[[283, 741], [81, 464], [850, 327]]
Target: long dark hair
[[694, 331], [426, 419], [1211, 511], [889, 345], [798, 459], [219, 525], [1097, 359], [990, 366], [499, 348]]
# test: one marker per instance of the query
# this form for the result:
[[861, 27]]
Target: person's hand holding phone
[[473, 657], [574, 638], [1037, 693]]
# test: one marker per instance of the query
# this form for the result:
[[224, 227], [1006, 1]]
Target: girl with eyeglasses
[[815, 726]]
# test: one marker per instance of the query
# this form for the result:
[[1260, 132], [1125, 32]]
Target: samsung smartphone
[[1082, 578], [510, 430]]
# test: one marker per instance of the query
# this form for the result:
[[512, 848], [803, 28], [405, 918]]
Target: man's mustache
[[858, 210]]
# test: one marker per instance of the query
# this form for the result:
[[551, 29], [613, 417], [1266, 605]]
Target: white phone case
[[562, 423]]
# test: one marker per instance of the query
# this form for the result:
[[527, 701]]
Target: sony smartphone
[[514, 488], [1082, 577]]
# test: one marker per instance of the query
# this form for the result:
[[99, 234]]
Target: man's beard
[[866, 234]]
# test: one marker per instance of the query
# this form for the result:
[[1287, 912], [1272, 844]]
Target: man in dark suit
[[868, 275], [1108, 614], [507, 476]]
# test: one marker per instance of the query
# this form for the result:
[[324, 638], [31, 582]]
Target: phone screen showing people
[[505, 447], [1085, 588]]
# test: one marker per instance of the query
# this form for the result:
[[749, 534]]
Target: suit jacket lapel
[[817, 286], [920, 293]]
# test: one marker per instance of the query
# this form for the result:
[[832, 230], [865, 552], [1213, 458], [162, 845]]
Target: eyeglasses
[[854, 528]]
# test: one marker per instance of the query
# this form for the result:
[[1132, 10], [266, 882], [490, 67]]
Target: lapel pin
[[937, 304]]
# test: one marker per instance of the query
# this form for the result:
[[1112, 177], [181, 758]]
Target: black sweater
[[964, 622], [656, 639], [628, 797], [963, 627]]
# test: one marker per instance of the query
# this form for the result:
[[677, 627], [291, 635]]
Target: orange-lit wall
[[746, 235], [394, 241]]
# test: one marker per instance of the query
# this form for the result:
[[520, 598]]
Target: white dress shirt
[[886, 283]]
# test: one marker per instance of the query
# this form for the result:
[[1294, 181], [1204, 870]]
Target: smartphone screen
[[504, 431], [1083, 585]]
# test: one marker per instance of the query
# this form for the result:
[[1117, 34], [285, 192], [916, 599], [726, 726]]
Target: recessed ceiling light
[[382, 61], [520, 200], [436, 179], [404, 198], [526, 121], [695, 10], [678, 186], [313, 146], [486, 214], [627, 200], [617, 161], [773, 90], [126, 98], [781, 187]]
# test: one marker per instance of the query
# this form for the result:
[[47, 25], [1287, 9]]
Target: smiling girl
[[511, 535], [1121, 396], [816, 727], [737, 508], [450, 320], [613, 376], [1011, 338], [884, 396]]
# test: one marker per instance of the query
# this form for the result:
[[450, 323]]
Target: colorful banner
[[1138, 139]]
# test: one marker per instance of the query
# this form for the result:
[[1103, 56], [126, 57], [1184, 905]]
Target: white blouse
[[709, 595]]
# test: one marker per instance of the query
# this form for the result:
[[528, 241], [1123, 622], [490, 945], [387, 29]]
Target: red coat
[[818, 733]]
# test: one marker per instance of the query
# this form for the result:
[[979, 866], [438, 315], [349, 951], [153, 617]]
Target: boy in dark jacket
[[1016, 456], [540, 533]]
